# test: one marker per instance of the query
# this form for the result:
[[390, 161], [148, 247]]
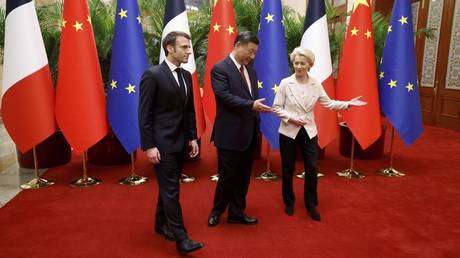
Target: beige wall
[[299, 5]]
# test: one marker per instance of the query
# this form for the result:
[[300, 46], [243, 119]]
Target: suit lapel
[[235, 70], [298, 101], [253, 80], [188, 84], [171, 78]]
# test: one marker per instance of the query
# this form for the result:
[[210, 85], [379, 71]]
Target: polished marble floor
[[11, 175]]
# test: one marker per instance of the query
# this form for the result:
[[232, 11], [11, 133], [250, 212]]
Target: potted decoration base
[[374, 151], [109, 152], [52, 152]]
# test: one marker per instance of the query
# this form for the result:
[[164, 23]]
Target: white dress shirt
[[173, 68], [295, 99]]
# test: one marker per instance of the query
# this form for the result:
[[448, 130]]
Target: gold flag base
[[133, 180], [185, 179], [85, 182], [37, 183], [267, 176], [301, 175], [390, 172], [350, 174], [215, 178]]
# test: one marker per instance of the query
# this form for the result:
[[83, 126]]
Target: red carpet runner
[[413, 216]]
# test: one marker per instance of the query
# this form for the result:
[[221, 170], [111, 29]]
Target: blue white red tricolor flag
[[316, 38], [175, 19], [28, 94]]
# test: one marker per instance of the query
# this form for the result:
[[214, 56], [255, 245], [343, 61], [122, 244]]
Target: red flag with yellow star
[[357, 76], [80, 99], [222, 33]]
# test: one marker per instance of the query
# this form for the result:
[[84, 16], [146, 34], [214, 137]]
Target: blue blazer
[[236, 125]]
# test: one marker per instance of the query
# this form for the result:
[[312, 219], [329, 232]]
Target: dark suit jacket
[[236, 124], [166, 119]]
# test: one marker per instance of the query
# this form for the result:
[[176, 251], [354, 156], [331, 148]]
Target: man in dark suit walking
[[167, 125], [236, 128]]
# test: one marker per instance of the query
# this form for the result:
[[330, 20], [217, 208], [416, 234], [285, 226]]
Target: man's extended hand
[[194, 148], [153, 155], [260, 107]]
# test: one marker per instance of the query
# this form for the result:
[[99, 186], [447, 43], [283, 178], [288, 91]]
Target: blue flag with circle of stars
[[271, 65], [129, 61], [398, 87]]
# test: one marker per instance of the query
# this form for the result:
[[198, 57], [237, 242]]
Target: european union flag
[[398, 87], [129, 61], [271, 64]]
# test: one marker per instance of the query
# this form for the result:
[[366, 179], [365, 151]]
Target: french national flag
[[175, 19], [28, 94], [316, 38]]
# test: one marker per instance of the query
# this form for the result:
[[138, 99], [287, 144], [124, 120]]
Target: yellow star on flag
[[354, 31], [130, 88], [113, 84], [381, 75], [216, 27], [410, 87], [259, 84], [275, 88], [392, 84], [89, 19], [356, 3], [389, 28], [403, 20], [269, 17], [139, 19], [78, 26], [230, 30], [368, 34], [63, 23], [123, 13]]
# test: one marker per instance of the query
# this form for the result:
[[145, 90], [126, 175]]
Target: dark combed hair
[[246, 37], [170, 39]]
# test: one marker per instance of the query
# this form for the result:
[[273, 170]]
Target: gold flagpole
[[133, 179], [267, 175], [301, 175], [215, 177], [37, 182], [186, 179], [391, 172], [85, 181], [350, 173]]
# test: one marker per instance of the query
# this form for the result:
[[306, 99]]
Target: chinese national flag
[[357, 76], [80, 99], [222, 34]]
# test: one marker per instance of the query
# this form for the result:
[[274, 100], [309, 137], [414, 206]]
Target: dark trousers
[[288, 149], [168, 211], [233, 183]]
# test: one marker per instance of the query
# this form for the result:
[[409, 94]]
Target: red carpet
[[413, 216]]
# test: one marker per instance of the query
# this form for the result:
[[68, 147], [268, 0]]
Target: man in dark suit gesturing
[[236, 128], [167, 125]]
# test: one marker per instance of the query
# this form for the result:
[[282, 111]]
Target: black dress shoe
[[165, 231], [289, 210], [213, 220], [188, 245], [242, 220], [314, 214]]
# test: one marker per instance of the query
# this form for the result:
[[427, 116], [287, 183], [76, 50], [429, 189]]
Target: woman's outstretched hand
[[356, 102]]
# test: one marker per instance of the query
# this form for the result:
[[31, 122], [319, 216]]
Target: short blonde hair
[[307, 53]]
